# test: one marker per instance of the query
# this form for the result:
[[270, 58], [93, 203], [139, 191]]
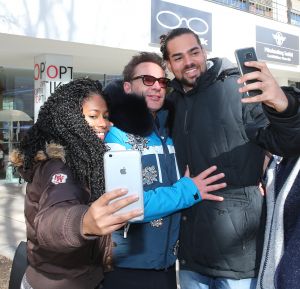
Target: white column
[[50, 71]]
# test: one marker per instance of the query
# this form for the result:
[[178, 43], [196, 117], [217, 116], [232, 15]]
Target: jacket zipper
[[189, 105], [185, 129], [167, 243], [166, 152]]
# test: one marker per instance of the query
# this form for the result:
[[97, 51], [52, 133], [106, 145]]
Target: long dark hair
[[61, 121]]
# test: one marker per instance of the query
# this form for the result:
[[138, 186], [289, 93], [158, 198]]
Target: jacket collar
[[53, 151], [203, 80], [129, 112]]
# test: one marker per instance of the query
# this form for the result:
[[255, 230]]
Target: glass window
[[240, 4], [17, 93], [261, 7], [294, 84], [104, 78], [295, 18]]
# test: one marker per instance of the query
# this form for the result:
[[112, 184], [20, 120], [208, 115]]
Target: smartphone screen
[[243, 55]]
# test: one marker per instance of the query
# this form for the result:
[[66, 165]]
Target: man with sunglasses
[[144, 254]]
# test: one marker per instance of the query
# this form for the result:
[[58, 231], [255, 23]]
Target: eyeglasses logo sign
[[171, 20], [166, 16], [279, 38]]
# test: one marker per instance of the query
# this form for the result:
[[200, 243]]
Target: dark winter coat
[[59, 255], [288, 270], [213, 127]]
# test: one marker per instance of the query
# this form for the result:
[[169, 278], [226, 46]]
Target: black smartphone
[[247, 54]]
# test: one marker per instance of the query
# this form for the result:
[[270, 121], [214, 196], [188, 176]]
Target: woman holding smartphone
[[61, 158]]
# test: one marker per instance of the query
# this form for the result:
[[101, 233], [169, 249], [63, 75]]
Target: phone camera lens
[[110, 155], [249, 55]]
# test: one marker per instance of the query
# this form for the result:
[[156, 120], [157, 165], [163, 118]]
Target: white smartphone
[[123, 169], [247, 54]]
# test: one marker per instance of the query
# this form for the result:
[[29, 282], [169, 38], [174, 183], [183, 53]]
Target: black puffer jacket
[[213, 127]]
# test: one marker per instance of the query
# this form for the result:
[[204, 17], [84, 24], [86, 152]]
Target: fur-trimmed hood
[[128, 112], [53, 151]]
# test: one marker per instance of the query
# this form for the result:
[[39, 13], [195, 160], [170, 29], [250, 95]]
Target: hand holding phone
[[100, 218], [123, 170], [243, 55]]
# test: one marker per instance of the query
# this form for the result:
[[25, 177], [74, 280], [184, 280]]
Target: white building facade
[[100, 36]]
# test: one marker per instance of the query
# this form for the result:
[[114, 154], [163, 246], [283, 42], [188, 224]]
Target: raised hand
[[272, 95], [204, 183], [100, 218]]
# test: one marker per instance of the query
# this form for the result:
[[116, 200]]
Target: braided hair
[[62, 122], [165, 38]]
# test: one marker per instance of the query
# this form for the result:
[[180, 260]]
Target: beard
[[190, 83]]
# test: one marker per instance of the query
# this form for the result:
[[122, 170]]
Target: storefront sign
[[277, 46], [166, 16], [50, 71]]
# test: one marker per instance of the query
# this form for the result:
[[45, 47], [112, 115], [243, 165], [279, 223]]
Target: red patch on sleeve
[[59, 179]]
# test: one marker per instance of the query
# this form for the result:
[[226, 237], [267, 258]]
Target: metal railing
[[265, 8]]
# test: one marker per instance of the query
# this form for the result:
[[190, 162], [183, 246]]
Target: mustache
[[192, 65]]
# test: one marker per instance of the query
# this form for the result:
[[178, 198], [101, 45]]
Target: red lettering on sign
[[51, 68], [36, 70]]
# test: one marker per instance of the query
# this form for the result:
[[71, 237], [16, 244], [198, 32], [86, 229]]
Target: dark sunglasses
[[149, 80]]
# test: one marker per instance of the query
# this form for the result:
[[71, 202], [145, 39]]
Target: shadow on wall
[[39, 25]]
